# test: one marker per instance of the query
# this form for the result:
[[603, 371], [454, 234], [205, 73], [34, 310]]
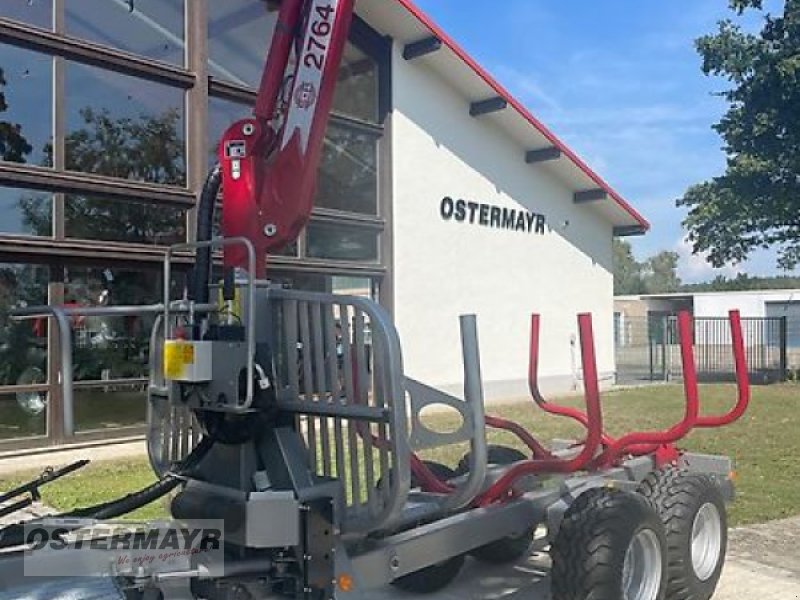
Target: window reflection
[[110, 406], [150, 28], [342, 242], [23, 344], [239, 35], [357, 89], [98, 218], [17, 421], [33, 12], [108, 348], [25, 212], [348, 177], [124, 127], [26, 95]]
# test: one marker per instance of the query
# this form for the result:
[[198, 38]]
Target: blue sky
[[620, 82]]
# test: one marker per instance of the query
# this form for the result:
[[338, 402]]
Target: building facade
[[439, 195]]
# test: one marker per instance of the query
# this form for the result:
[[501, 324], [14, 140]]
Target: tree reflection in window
[[13, 145], [143, 148]]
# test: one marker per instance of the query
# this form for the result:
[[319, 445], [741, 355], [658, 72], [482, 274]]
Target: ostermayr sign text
[[487, 215]]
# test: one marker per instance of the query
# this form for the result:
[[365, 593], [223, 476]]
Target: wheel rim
[[641, 571], [706, 541]]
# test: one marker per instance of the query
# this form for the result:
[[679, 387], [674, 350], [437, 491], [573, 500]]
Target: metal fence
[[648, 349]]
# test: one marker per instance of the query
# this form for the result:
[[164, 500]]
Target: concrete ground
[[763, 560]]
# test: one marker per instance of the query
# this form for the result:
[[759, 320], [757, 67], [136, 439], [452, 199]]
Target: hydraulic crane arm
[[269, 162]]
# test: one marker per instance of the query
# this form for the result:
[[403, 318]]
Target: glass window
[[26, 212], [110, 407], [342, 242], [23, 415], [108, 348], [150, 28], [124, 127], [239, 36], [221, 115], [357, 89], [34, 12], [23, 344], [26, 95], [348, 177], [98, 218]]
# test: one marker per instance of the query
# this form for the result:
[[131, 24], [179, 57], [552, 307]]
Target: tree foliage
[[13, 145], [744, 282], [146, 148], [756, 202], [656, 275]]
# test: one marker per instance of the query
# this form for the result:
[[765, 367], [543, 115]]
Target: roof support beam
[[587, 196], [422, 48], [543, 155], [485, 107], [629, 231]]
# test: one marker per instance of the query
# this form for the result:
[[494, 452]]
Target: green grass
[[764, 444]]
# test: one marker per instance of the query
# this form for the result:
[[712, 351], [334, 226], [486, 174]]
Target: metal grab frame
[[646, 442], [332, 398], [308, 323], [742, 381], [641, 443], [473, 429], [502, 486]]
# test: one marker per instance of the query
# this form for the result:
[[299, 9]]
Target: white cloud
[[695, 268], [525, 87]]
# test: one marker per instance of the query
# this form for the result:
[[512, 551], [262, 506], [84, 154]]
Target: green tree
[[627, 271], [756, 202], [656, 275], [660, 273]]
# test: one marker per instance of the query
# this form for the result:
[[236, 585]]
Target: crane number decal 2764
[[320, 31]]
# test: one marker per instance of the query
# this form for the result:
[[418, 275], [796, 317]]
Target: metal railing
[[647, 349]]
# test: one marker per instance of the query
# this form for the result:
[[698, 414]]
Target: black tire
[[431, 579], [592, 545], [442, 472], [496, 455], [509, 549], [439, 576], [679, 497]]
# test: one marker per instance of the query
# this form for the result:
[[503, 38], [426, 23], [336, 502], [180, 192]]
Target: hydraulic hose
[[205, 228], [14, 535], [143, 497]]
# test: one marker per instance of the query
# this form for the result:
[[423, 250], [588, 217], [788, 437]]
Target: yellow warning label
[[177, 356]]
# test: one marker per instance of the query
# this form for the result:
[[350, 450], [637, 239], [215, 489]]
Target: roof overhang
[[427, 44]]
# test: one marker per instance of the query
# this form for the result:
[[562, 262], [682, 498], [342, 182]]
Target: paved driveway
[[763, 564]]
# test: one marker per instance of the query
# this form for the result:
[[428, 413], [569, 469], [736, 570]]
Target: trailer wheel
[[436, 577], [431, 579], [509, 549], [693, 512], [611, 544], [441, 472]]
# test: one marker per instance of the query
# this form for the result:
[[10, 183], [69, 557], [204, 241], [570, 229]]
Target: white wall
[[751, 304], [443, 268]]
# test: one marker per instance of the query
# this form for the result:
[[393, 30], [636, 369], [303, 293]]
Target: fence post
[[784, 348], [664, 334]]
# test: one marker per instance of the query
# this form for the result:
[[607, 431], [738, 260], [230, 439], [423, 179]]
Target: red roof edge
[[423, 18]]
